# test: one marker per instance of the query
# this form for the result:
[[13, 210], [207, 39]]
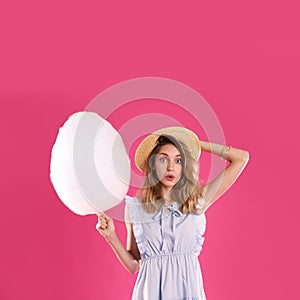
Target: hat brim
[[180, 134]]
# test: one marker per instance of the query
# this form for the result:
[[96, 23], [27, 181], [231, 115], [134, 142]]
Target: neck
[[168, 202], [166, 196]]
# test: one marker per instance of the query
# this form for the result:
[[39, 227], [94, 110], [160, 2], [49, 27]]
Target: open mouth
[[170, 177]]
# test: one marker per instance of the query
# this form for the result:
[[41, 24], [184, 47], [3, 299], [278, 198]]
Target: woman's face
[[168, 166]]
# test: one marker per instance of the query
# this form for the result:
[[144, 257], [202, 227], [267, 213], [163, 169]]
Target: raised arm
[[128, 257], [238, 159]]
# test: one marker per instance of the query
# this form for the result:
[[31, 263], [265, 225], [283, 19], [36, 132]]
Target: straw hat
[[180, 134]]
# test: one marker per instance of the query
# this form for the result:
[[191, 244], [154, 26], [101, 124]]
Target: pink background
[[244, 58]]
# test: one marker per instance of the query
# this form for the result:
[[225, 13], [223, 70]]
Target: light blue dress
[[169, 243]]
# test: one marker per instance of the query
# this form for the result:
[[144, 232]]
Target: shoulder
[[201, 206], [131, 200], [131, 209]]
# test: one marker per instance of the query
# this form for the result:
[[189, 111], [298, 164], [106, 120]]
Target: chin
[[169, 184]]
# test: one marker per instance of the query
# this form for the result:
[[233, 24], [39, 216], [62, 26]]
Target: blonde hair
[[187, 190]]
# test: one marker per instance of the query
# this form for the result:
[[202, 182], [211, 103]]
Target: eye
[[162, 159], [179, 161]]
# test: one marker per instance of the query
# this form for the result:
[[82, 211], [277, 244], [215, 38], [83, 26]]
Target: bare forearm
[[234, 154], [131, 264]]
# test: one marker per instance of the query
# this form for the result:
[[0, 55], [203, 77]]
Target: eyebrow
[[168, 155]]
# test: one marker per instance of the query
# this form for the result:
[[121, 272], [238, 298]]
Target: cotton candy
[[89, 167]]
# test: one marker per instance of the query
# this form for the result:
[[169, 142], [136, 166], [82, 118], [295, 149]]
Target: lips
[[170, 177]]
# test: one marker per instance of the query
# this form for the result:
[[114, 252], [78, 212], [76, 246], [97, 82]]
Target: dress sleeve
[[200, 226], [201, 202], [133, 204], [132, 208]]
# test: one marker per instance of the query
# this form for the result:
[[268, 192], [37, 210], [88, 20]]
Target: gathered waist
[[170, 254]]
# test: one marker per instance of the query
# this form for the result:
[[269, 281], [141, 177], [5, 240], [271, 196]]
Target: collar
[[174, 210]]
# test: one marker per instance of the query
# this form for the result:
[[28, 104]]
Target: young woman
[[166, 223]]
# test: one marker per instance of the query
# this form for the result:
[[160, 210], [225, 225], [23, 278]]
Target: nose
[[170, 165]]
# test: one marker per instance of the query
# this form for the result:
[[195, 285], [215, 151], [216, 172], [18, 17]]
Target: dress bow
[[168, 228]]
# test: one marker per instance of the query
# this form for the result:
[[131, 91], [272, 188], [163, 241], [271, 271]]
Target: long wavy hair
[[187, 190]]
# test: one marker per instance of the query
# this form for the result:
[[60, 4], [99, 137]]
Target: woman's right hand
[[105, 226]]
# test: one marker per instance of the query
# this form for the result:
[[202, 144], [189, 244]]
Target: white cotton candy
[[89, 168]]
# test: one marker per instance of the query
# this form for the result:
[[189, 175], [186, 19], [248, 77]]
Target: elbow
[[135, 267], [133, 270], [246, 156]]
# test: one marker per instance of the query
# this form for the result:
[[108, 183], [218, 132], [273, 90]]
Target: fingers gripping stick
[[105, 224]]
